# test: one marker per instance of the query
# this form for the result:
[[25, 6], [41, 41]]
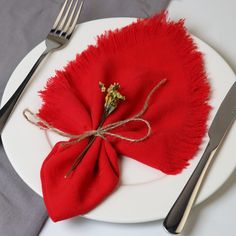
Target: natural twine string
[[101, 131]]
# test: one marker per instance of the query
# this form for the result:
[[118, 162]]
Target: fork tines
[[67, 18]]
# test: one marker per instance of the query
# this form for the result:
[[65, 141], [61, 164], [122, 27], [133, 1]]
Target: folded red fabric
[[137, 57]]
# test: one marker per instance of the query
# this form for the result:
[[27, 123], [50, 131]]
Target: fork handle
[[10, 104], [178, 214]]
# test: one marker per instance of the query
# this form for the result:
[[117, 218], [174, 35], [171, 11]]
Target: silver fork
[[58, 37]]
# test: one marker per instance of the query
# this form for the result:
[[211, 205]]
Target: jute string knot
[[101, 131]]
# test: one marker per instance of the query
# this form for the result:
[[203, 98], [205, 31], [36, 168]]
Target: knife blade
[[223, 120], [224, 117]]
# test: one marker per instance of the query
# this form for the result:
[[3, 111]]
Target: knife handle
[[178, 214]]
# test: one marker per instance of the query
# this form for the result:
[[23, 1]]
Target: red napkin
[[137, 57]]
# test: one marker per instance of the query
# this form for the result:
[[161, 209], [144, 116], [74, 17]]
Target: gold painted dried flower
[[113, 96]]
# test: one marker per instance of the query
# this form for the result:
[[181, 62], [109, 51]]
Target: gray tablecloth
[[23, 24]]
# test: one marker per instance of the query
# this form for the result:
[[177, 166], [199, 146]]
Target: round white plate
[[145, 194]]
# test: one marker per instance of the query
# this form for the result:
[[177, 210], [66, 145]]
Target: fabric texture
[[24, 24], [137, 57]]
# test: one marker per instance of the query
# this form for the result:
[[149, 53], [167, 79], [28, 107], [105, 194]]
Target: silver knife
[[223, 120]]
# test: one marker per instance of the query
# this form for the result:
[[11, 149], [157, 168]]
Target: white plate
[[145, 194]]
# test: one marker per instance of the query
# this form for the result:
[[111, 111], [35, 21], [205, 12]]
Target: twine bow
[[101, 131]]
